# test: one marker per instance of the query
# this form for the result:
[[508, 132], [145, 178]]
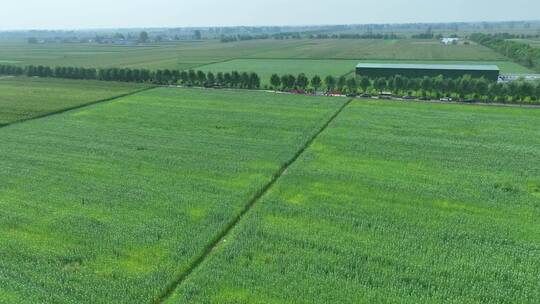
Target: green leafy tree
[[197, 35], [330, 83], [316, 82], [210, 79], [158, 76], [505, 91], [235, 79], [219, 78], [496, 89], [175, 76], [390, 84], [352, 85], [227, 79], [465, 86], [450, 86], [167, 76], [426, 84], [192, 77], [342, 82], [380, 84], [414, 84], [244, 80], [398, 83], [128, 75], [288, 81], [302, 81], [136, 75], [513, 89], [481, 87], [365, 83], [437, 85], [526, 89], [275, 81], [143, 37], [184, 78], [201, 78], [254, 81]]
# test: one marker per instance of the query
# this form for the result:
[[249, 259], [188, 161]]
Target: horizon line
[[256, 26]]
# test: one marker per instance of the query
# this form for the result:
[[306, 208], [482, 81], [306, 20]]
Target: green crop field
[[405, 49], [91, 55], [110, 203], [185, 55], [182, 55], [157, 195], [393, 203], [23, 98]]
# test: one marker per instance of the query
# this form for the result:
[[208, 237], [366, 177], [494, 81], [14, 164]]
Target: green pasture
[[23, 98], [393, 203]]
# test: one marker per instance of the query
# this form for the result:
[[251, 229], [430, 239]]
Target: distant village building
[[449, 41]]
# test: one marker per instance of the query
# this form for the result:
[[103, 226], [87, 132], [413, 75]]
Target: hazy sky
[[65, 14]]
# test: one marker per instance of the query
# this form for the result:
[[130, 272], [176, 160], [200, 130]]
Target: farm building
[[490, 72]]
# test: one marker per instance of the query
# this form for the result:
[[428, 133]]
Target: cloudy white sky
[[66, 14]]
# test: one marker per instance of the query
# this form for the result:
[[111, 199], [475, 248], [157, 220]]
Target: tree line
[[390, 36], [247, 37], [464, 88], [281, 36], [515, 36], [521, 52], [232, 79]]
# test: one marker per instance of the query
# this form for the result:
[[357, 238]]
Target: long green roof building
[[372, 70]]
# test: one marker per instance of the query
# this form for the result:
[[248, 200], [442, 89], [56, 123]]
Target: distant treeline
[[430, 35], [355, 36], [232, 79], [282, 36], [520, 52], [246, 37], [515, 36], [466, 87], [425, 36]]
